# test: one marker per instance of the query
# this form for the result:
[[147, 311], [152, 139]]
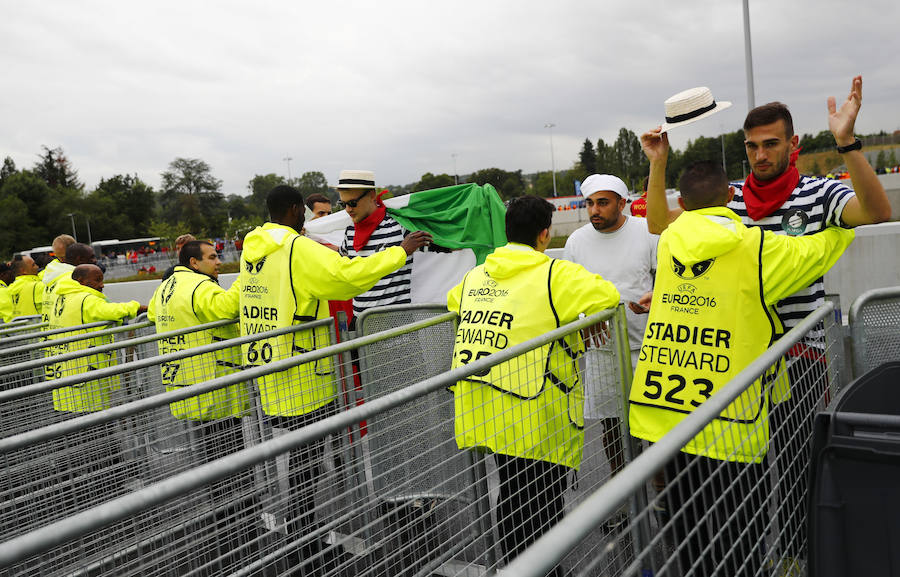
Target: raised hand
[[842, 120], [655, 144]]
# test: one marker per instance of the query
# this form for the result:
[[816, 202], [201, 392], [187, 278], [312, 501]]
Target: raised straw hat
[[690, 106]]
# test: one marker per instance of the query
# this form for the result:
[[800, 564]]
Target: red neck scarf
[[364, 228], [763, 198]]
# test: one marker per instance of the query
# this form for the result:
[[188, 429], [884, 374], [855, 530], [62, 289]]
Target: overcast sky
[[399, 87]]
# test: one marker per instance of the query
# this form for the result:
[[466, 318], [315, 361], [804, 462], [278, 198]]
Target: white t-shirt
[[624, 257]]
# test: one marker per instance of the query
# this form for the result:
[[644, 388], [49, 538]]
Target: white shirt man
[[620, 249]]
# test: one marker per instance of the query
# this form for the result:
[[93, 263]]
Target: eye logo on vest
[[694, 271], [254, 269], [794, 222], [60, 305]]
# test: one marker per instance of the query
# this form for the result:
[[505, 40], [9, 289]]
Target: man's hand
[[642, 306], [597, 335], [415, 241], [655, 144], [842, 121], [141, 310]]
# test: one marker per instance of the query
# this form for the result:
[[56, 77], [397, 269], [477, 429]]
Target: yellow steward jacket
[[711, 315], [287, 279], [77, 305], [531, 406], [6, 305], [52, 274], [186, 299], [27, 294]]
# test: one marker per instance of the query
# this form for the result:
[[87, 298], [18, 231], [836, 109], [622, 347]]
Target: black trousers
[[531, 501], [718, 515], [304, 470]]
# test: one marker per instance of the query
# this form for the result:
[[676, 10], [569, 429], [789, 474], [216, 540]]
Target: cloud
[[399, 87]]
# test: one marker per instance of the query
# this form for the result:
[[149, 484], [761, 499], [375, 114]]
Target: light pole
[[550, 125], [74, 234], [287, 160], [748, 58], [455, 174], [722, 138], [88, 223]]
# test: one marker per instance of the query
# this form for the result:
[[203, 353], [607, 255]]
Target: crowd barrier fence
[[875, 328], [375, 486], [707, 516]]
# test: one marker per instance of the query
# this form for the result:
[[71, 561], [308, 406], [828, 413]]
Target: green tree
[[56, 170], [508, 184], [431, 181], [126, 204], [881, 160], [8, 169], [314, 182], [191, 192], [587, 158], [630, 159], [606, 159], [892, 159], [259, 187]]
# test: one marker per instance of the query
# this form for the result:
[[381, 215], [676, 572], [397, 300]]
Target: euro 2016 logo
[[692, 272], [60, 305], [169, 291], [255, 268]]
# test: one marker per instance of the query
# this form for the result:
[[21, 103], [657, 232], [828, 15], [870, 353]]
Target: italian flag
[[468, 218]]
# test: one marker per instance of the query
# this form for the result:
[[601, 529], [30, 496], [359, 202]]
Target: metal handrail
[[36, 363], [545, 553], [112, 330], [45, 386], [857, 337], [80, 524]]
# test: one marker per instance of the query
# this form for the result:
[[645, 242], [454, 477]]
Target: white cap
[[597, 182]]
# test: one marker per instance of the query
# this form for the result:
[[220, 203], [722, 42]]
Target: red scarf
[[365, 227], [763, 198]]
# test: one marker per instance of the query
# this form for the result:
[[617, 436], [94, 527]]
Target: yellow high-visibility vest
[[27, 293], [706, 324], [187, 299]]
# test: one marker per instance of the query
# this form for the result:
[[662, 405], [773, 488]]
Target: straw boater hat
[[356, 179], [691, 105]]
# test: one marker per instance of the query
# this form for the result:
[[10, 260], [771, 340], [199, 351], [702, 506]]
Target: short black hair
[[704, 184], [17, 264], [769, 113], [526, 217], [84, 271], [281, 199], [192, 249], [79, 253], [315, 197]]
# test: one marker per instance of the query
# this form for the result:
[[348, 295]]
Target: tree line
[[42, 201]]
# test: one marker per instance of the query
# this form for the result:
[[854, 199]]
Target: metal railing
[[709, 516], [875, 328], [317, 496]]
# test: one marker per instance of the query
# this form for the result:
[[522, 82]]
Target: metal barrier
[[20, 324], [398, 502], [712, 517], [875, 328]]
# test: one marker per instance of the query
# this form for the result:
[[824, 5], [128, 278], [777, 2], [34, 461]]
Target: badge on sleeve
[[794, 222]]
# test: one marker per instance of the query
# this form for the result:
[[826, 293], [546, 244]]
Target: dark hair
[[526, 217], [17, 264], [769, 113], [84, 271], [192, 249], [314, 198], [281, 199], [79, 253], [704, 184]]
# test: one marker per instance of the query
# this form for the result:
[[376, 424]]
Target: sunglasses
[[352, 203]]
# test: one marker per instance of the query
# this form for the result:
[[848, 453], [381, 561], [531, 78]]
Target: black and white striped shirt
[[813, 205], [393, 289]]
